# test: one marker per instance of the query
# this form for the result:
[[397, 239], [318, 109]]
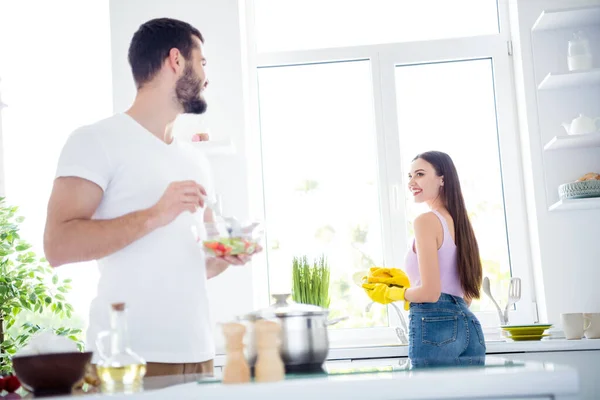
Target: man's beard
[[187, 92]]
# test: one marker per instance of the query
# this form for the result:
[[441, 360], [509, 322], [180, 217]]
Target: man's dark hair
[[153, 41]]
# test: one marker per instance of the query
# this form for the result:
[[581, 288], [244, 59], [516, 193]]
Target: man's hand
[[217, 265], [179, 197], [242, 258]]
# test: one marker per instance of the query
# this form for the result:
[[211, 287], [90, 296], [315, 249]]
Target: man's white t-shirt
[[162, 276]]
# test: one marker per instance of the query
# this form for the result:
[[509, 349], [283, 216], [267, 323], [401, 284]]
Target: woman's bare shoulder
[[427, 221]]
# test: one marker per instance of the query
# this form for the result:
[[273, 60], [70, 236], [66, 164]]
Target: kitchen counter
[[493, 347], [498, 379]]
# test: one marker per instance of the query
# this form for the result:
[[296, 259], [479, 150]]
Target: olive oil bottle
[[120, 369]]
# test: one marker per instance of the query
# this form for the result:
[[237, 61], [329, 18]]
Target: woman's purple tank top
[[447, 260]]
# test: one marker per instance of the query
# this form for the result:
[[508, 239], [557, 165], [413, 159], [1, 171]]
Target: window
[[450, 106], [321, 197], [338, 128], [287, 25]]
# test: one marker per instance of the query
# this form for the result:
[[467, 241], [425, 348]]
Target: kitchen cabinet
[[585, 362], [562, 95], [581, 355]]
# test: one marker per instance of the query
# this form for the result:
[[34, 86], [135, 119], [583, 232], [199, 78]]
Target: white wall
[[218, 21], [51, 88], [565, 247]]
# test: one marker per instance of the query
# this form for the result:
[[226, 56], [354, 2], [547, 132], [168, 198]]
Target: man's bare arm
[[71, 235]]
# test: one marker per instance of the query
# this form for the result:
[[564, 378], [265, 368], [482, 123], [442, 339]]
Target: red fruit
[[2, 383], [11, 383]]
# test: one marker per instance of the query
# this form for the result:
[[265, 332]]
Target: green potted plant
[[27, 283], [311, 282]]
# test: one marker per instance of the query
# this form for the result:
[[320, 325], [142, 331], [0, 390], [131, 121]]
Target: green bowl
[[526, 330], [523, 338]]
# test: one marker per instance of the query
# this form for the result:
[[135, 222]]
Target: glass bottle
[[120, 370], [579, 53]]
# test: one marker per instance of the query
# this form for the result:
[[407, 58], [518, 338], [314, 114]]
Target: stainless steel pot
[[304, 338]]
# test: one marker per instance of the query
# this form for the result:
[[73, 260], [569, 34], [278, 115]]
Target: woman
[[444, 269]]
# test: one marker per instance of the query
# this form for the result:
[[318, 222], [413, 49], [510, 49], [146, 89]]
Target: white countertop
[[505, 380], [493, 347]]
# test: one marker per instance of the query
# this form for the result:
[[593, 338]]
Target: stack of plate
[[526, 332], [579, 190]]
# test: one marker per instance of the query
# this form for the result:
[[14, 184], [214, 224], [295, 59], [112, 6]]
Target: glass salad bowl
[[228, 237]]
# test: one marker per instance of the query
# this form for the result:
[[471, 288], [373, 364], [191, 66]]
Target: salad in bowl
[[227, 237]]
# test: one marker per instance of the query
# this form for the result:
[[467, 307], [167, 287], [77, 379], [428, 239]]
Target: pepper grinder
[[269, 366], [236, 368]]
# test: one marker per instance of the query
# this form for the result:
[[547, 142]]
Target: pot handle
[[335, 321]]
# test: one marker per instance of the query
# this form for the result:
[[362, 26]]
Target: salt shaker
[[269, 366], [236, 368]]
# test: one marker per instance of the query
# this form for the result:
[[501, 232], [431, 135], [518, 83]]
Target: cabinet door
[[586, 363]]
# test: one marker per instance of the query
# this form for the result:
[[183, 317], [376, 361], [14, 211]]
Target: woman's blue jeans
[[444, 333]]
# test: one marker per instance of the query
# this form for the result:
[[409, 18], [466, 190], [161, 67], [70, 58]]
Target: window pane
[[450, 107], [320, 178], [284, 25]]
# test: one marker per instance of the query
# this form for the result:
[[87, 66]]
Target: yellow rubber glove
[[389, 276], [386, 285], [382, 293]]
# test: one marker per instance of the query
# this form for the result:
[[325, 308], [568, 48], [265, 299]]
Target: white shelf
[[570, 79], [573, 142], [576, 204], [573, 17], [216, 147]]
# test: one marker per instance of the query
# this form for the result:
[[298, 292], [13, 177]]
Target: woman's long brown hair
[[470, 270]]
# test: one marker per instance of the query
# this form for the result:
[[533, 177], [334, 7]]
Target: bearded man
[[127, 194]]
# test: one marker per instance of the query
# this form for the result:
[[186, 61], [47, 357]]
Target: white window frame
[[384, 58]]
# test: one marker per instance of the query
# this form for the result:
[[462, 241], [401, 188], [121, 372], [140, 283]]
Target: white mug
[[592, 325], [572, 324]]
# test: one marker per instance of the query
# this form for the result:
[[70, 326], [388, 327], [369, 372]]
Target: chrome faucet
[[401, 331]]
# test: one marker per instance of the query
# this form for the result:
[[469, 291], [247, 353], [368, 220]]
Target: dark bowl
[[51, 374]]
